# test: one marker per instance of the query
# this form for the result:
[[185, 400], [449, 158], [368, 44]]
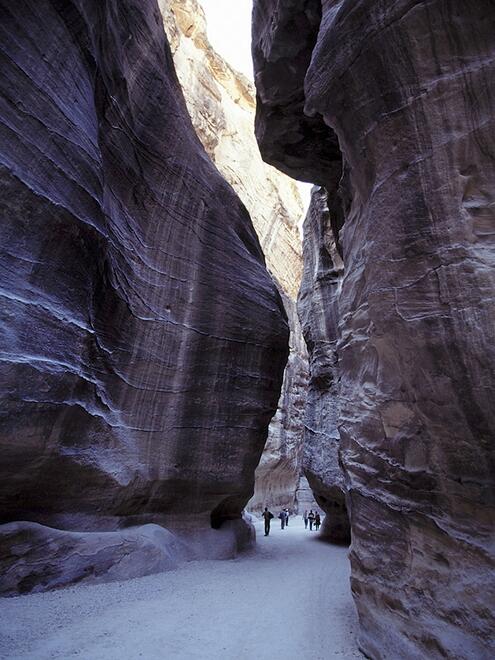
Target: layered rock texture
[[278, 474], [318, 309], [404, 89], [221, 102], [143, 341]]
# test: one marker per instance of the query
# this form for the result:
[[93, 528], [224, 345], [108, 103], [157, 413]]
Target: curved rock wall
[[405, 86], [143, 340]]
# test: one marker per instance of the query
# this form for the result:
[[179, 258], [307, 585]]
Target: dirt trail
[[288, 600]]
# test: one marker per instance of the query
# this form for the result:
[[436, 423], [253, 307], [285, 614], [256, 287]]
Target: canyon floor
[[289, 599]]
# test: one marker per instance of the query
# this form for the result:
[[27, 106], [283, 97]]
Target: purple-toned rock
[[143, 341], [318, 310], [279, 471], [407, 88]]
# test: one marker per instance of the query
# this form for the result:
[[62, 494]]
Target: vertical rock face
[[405, 86], [221, 102], [143, 341], [279, 471], [318, 309]]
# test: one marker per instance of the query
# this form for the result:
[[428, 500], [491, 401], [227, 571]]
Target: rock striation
[[404, 87], [221, 102], [318, 310], [278, 474], [143, 341]]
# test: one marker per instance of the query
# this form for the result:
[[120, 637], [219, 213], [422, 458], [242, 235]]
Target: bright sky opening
[[229, 32]]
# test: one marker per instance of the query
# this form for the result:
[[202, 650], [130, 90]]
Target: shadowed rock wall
[[318, 310], [279, 471], [406, 86], [143, 341]]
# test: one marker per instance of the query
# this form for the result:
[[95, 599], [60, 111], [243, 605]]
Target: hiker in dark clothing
[[267, 515], [281, 515], [317, 521], [286, 517], [311, 518]]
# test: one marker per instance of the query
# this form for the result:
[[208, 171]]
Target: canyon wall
[[278, 474], [401, 93], [221, 102], [318, 309], [143, 341]]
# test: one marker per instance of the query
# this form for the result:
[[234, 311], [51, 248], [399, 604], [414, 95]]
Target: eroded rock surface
[[143, 341], [318, 308], [279, 471], [406, 88]]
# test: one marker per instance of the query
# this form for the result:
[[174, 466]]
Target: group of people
[[284, 518], [313, 518], [268, 516]]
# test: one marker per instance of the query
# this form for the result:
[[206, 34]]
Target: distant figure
[[311, 518], [317, 521], [287, 517], [267, 515], [305, 518], [281, 515]]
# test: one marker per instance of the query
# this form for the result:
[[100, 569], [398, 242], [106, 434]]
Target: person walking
[[281, 515], [305, 518], [311, 518], [317, 521], [287, 517], [267, 515]]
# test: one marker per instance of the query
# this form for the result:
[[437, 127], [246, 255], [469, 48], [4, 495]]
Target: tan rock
[[221, 102]]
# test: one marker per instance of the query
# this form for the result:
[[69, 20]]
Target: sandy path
[[288, 600]]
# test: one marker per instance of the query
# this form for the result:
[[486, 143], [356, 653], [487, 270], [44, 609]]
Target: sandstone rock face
[[221, 102], [318, 309], [143, 341], [404, 85], [279, 471]]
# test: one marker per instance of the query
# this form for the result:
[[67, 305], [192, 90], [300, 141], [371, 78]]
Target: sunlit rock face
[[318, 307], [404, 87], [221, 102], [143, 339]]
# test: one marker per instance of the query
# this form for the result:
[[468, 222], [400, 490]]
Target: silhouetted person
[[267, 515], [311, 518], [317, 521], [281, 515], [305, 518], [286, 517]]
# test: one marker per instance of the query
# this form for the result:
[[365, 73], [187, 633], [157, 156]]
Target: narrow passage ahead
[[287, 600]]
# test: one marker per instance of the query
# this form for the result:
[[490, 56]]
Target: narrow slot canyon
[[247, 255]]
